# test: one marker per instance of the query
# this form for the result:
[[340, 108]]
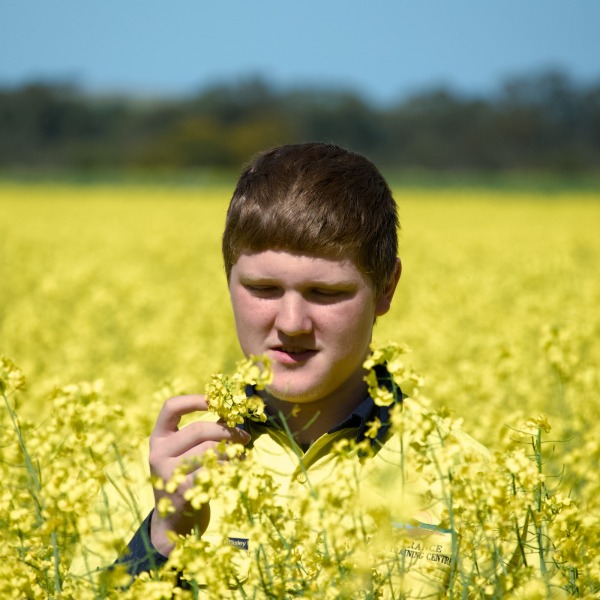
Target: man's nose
[[293, 316]]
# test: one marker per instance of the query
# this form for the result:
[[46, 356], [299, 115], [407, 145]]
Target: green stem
[[55, 551], [539, 498], [28, 462], [35, 488]]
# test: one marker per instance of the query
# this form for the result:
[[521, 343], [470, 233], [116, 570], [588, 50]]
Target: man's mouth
[[291, 354]]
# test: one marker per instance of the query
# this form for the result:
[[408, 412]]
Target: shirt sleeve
[[140, 555]]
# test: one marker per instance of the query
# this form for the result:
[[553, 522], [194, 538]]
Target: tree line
[[541, 121]]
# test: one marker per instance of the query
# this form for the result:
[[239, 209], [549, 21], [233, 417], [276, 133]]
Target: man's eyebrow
[[256, 277], [327, 283]]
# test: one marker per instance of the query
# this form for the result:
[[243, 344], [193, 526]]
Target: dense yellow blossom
[[114, 298], [228, 397]]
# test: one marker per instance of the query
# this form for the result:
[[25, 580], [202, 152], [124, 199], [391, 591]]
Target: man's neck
[[307, 422]]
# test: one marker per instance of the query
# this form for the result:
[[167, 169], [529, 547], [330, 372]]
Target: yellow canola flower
[[534, 424], [11, 377], [373, 428], [390, 355], [227, 396]]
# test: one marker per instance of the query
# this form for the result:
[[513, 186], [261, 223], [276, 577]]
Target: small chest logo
[[241, 543]]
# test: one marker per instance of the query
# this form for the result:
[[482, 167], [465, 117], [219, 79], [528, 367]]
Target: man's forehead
[[314, 267], [279, 255]]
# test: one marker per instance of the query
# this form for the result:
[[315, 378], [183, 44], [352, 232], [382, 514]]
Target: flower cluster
[[402, 375], [234, 398], [50, 475]]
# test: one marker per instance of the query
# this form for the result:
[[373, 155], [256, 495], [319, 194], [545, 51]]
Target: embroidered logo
[[241, 543]]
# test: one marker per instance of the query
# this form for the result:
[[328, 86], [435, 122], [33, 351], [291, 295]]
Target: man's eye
[[325, 293], [261, 290]]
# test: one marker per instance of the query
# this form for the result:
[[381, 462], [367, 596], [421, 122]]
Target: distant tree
[[535, 121]]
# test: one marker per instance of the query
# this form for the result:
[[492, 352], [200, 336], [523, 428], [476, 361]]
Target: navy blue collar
[[367, 410]]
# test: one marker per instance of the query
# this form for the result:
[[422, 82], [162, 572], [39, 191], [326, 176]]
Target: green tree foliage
[[540, 121]]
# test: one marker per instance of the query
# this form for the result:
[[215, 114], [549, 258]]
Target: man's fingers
[[194, 455], [174, 408], [196, 434], [191, 460]]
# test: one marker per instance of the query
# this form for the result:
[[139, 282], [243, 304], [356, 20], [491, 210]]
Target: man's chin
[[292, 394]]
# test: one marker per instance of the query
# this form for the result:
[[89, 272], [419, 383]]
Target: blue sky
[[384, 49]]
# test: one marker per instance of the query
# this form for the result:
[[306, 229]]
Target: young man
[[310, 252]]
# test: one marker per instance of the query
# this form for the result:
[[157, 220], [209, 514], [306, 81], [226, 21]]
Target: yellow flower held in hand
[[228, 397]]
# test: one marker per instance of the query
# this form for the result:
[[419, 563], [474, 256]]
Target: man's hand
[[169, 447]]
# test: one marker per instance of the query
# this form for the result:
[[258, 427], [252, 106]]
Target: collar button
[[301, 477]]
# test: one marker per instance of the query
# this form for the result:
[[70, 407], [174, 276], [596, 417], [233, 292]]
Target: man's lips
[[291, 355]]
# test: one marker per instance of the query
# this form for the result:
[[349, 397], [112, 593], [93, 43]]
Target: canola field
[[112, 298]]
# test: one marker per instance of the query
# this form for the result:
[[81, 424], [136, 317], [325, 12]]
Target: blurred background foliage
[[542, 121]]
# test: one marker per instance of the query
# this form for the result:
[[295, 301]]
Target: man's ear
[[384, 300]]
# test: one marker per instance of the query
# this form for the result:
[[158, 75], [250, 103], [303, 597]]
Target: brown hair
[[316, 199]]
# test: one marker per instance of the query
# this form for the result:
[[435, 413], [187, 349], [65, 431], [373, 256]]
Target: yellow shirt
[[390, 493]]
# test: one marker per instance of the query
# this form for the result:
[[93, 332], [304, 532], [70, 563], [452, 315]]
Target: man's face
[[313, 317]]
